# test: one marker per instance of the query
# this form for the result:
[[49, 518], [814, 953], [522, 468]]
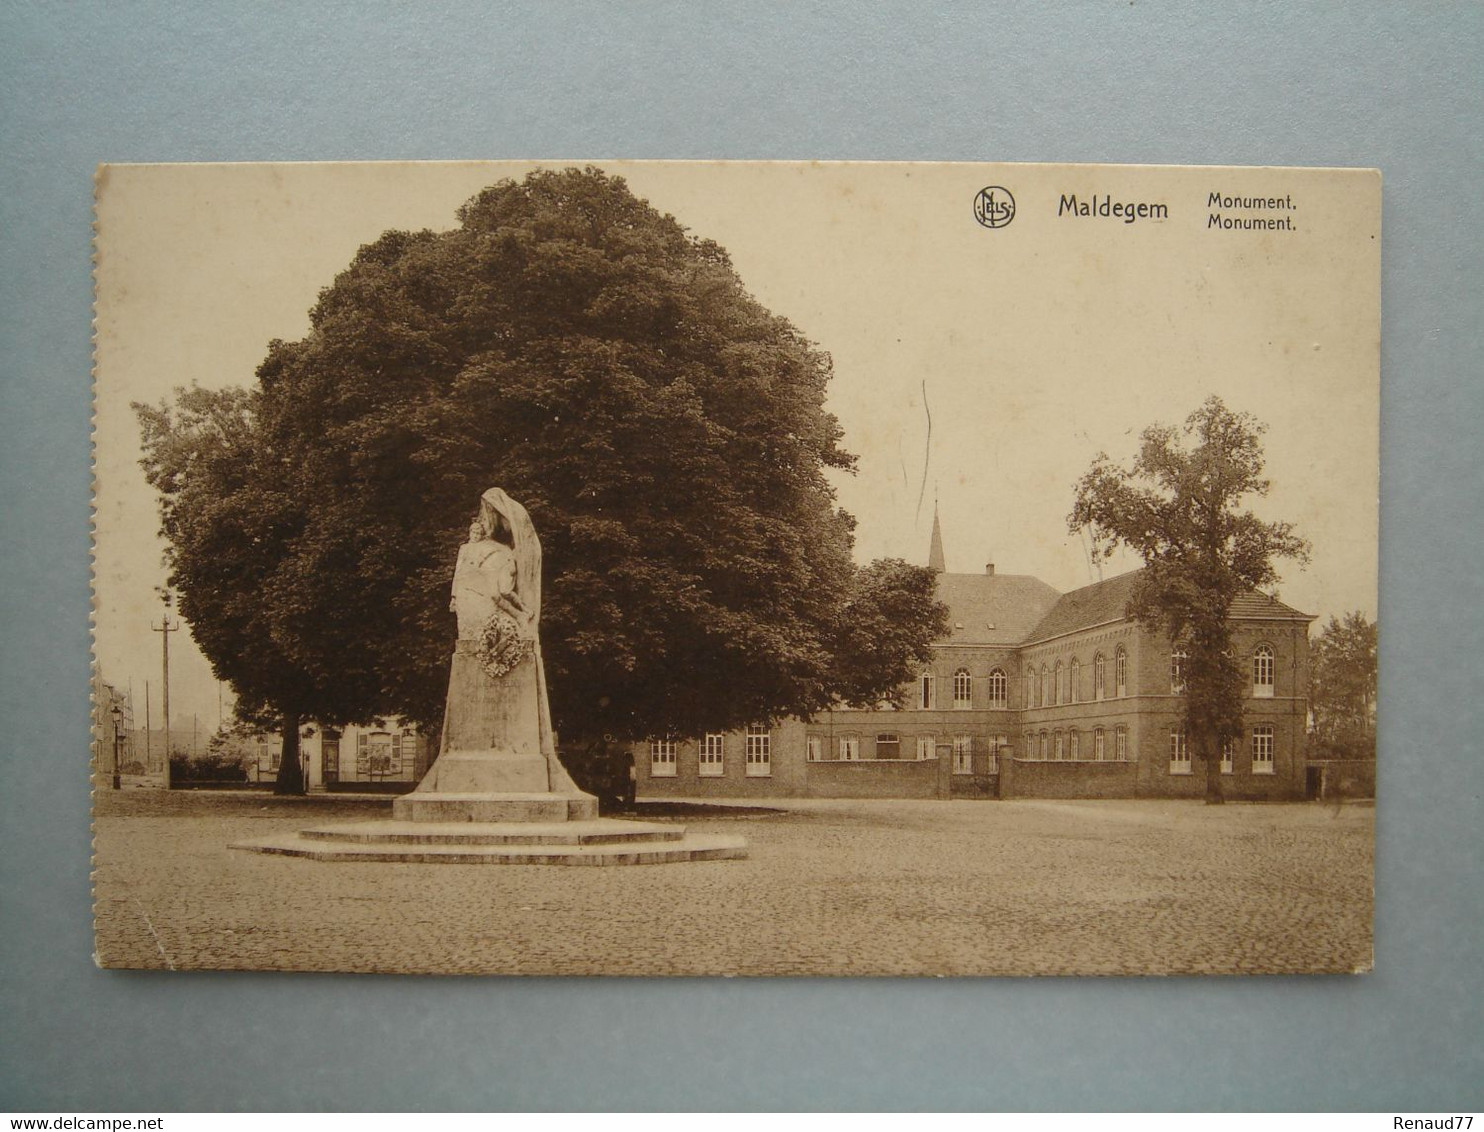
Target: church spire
[[936, 562]]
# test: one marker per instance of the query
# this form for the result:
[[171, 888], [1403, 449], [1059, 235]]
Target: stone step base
[[689, 847], [602, 831], [446, 808]]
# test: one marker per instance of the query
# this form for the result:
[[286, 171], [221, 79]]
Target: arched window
[[999, 688], [1099, 746], [1056, 686], [1074, 681], [1061, 750], [1177, 672], [1030, 688], [1120, 672], [1044, 742], [1099, 674], [963, 689], [1074, 747], [925, 691], [1262, 672], [1045, 686]]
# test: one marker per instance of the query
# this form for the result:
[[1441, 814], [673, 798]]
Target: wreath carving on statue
[[501, 645]]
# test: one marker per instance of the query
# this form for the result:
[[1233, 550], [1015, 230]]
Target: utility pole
[[165, 628], [148, 745]]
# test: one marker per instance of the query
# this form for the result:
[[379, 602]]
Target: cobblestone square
[[829, 888]]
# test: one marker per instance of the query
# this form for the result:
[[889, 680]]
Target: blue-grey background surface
[[1399, 86]]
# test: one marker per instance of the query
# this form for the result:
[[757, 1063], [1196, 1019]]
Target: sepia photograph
[[860, 569]]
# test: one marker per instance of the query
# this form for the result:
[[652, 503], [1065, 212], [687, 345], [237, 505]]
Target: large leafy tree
[[574, 346], [1179, 506], [1342, 694]]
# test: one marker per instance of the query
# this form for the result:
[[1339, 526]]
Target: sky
[[978, 369]]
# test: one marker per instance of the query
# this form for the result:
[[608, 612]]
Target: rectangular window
[[662, 758], [889, 746], [814, 748], [759, 752], [849, 748], [1099, 752], [1120, 745], [713, 755], [925, 692], [1228, 749], [927, 747], [1262, 749], [997, 743], [1177, 673], [1179, 752], [963, 754]]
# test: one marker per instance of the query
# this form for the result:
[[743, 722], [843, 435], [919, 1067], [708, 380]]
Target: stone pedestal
[[493, 768], [594, 841]]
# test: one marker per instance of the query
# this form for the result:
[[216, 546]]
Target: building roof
[[1106, 601], [1260, 606], [1096, 604], [993, 609]]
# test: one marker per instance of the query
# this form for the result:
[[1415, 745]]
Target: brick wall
[[1337, 779], [1031, 779], [883, 779]]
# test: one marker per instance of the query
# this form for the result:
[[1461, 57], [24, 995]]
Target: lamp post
[[118, 714]]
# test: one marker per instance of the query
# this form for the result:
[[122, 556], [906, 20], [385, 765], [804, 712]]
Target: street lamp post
[[118, 714]]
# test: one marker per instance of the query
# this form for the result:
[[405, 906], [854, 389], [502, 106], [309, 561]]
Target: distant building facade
[[1033, 693], [391, 757], [112, 719]]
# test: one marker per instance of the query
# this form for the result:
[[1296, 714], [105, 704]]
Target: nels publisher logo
[[994, 207]]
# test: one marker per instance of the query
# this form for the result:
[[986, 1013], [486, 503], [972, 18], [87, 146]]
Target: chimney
[[989, 568]]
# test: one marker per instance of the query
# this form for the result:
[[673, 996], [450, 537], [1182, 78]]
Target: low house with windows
[[387, 757], [1033, 693]]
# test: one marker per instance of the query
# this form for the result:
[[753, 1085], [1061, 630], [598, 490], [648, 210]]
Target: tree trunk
[[290, 778], [1211, 750]]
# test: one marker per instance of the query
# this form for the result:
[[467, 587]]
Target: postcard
[[735, 568]]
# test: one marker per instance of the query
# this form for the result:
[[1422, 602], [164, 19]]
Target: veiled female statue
[[497, 734]]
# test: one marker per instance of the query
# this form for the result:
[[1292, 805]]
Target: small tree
[[228, 515], [1342, 687], [1178, 506]]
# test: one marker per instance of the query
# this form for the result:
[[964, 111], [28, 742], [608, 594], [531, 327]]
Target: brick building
[[1033, 693]]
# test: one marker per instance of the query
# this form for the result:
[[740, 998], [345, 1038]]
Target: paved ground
[[848, 888]]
